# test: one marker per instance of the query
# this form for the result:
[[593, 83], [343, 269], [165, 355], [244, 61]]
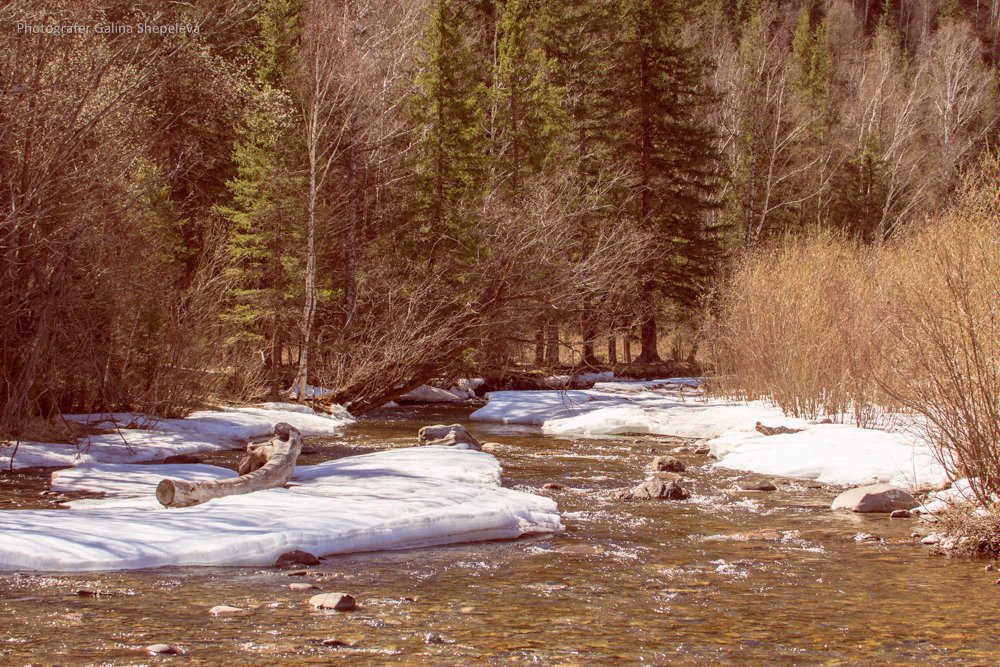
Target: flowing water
[[727, 577]]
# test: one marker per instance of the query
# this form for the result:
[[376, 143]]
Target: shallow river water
[[727, 577]]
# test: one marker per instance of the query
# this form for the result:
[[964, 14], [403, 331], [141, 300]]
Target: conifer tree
[[529, 119], [655, 109], [450, 150]]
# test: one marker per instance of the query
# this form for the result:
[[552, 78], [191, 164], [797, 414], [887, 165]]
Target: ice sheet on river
[[831, 453], [135, 438], [394, 499]]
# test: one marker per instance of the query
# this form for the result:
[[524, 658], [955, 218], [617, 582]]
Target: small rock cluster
[[663, 483]]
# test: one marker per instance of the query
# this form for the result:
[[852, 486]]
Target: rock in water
[[226, 610], [656, 489], [163, 649], [303, 586], [764, 485], [454, 435], [900, 514], [335, 601], [875, 498], [296, 558], [666, 464]]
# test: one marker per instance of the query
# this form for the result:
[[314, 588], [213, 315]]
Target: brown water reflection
[[627, 583]]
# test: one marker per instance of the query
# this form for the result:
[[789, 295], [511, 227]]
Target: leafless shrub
[[801, 325], [945, 366]]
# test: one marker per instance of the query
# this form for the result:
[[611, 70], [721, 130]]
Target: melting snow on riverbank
[[395, 499], [135, 438], [830, 453]]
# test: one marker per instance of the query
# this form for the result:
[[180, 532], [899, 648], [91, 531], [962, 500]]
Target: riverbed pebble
[[163, 649], [763, 485], [226, 610], [900, 514], [335, 601], [303, 586], [933, 538], [334, 642]]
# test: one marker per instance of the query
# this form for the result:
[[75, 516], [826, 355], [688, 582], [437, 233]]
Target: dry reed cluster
[[824, 326]]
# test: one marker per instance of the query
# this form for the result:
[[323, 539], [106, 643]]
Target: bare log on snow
[[266, 466]]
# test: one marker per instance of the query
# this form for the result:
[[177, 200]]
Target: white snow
[[136, 438], [831, 453], [428, 394], [395, 499]]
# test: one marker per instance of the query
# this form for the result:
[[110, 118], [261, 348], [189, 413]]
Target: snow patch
[[395, 499]]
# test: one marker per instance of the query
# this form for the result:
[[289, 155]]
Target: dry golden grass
[[825, 326], [801, 325]]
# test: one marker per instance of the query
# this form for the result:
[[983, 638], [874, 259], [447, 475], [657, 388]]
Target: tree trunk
[[647, 334], [589, 333], [612, 350], [540, 346], [552, 343], [266, 466]]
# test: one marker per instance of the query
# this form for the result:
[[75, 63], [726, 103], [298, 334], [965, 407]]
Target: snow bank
[[144, 438], [830, 453], [394, 499]]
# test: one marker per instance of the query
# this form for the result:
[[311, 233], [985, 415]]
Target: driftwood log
[[266, 466]]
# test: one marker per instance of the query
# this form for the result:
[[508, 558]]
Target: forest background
[[365, 195]]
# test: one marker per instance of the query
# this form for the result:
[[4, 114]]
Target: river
[[727, 577]]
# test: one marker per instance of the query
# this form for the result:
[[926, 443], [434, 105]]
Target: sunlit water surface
[[627, 583]]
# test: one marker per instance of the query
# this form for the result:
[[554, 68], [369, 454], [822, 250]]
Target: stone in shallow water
[[296, 558], [334, 642], [303, 586], [452, 435], [666, 464], [875, 498], [900, 514], [164, 649], [763, 485], [335, 601], [226, 610], [656, 489]]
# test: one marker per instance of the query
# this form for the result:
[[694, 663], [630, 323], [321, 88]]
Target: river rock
[[656, 489], [763, 485], [666, 464], [163, 649], [226, 610], [303, 586], [875, 498], [667, 476], [296, 558], [453, 435], [900, 514], [335, 601], [553, 485], [335, 643]]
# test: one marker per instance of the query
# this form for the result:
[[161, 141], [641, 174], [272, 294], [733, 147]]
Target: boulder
[[666, 464], [335, 601], [656, 489], [875, 498], [453, 435]]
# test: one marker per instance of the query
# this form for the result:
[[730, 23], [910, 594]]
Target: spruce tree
[[449, 160], [655, 108], [529, 120]]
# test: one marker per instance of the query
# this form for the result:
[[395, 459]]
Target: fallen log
[[266, 466]]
